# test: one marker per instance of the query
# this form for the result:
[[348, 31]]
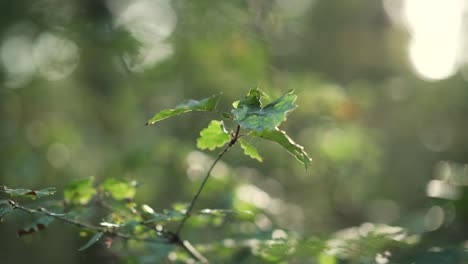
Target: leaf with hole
[[286, 142], [207, 104], [80, 192], [214, 136], [249, 113], [92, 241], [250, 150]]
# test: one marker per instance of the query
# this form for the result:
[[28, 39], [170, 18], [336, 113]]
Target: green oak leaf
[[92, 241], [253, 98], [29, 193], [119, 188], [286, 142], [249, 113], [80, 192], [206, 104], [250, 150], [214, 136]]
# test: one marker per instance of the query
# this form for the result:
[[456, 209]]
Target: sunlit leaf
[[207, 104], [92, 241], [29, 193], [80, 192], [250, 150], [38, 225], [214, 136], [286, 142], [249, 113], [119, 188]]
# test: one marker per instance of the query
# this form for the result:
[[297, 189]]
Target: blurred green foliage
[[79, 79]]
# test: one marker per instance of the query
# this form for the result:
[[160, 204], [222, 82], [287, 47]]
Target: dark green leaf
[[214, 136], [249, 113], [207, 104], [119, 188], [80, 192], [92, 241], [38, 225], [29, 193], [250, 150], [286, 142]]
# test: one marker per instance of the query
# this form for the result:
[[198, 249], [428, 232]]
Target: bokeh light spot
[[58, 155], [56, 57], [434, 218], [435, 28], [15, 54]]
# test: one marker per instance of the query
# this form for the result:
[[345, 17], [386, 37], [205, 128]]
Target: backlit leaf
[[119, 188], [92, 241], [214, 136], [250, 114], [286, 142], [80, 192], [207, 104], [29, 193], [250, 150]]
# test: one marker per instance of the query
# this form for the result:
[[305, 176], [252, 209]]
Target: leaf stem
[[233, 141]]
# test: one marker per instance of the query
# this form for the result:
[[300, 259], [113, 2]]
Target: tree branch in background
[[15, 206], [170, 237]]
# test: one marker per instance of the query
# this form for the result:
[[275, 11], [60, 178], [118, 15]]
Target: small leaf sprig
[[247, 114]]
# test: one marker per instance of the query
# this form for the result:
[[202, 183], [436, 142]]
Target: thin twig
[[194, 199], [78, 224], [193, 251]]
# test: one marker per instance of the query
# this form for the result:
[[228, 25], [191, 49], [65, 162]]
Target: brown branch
[[195, 198]]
